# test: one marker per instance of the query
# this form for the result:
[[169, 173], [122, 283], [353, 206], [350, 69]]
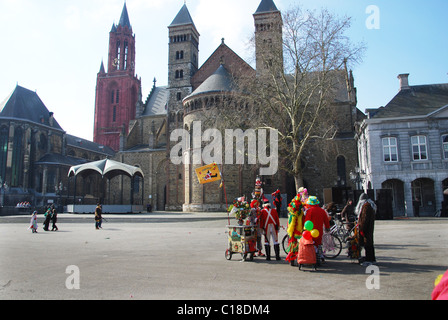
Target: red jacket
[[319, 218], [267, 219]]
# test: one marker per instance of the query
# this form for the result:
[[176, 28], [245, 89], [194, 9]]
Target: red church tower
[[117, 91]]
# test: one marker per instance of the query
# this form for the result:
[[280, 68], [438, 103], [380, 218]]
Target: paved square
[[181, 256]]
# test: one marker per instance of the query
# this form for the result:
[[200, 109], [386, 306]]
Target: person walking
[[47, 216], [366, 224], [98, 217], [33, 222], [54, 219]]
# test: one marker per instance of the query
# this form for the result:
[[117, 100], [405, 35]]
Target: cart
[[242, 239]]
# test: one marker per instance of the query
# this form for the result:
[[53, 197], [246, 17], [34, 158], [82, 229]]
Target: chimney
[[404, 81]]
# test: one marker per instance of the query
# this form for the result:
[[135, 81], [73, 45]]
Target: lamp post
[[355, 176]]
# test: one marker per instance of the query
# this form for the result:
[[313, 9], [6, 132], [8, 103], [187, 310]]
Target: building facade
[[403, 149], [194, 91], [118, 89], [36, 153]]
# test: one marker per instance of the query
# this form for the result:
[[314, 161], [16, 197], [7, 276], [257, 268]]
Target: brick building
[[191, 91]]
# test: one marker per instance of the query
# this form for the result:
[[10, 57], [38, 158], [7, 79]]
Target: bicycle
[[340, 229]]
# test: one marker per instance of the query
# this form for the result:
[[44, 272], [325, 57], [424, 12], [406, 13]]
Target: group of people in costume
[[305, 208], [301, 209]]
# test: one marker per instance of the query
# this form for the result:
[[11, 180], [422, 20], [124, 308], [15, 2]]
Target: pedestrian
[[271, 224], [33, 222], [47, 216], [255, 208], [416, 206], [348, 214], [320, 219], [54, 219], [363, 198], [366, 224], [98, 217]]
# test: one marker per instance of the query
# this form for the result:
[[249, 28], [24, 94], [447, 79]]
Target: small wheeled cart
[[242, 239]]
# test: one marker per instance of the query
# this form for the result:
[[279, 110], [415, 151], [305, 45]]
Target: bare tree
[[295, 92]]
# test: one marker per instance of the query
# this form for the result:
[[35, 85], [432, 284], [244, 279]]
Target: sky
[[55, 47]]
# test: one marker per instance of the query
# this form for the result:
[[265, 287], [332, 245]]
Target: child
[[33, 222]]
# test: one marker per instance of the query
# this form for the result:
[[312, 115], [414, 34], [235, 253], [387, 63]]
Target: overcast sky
[[55, 47]]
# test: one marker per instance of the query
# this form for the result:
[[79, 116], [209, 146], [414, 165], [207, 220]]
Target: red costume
[[319, 217], [270, 223]]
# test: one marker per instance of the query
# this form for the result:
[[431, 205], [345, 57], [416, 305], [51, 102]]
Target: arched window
[[341, 171], [118, 55], [4, 134], [17, 158]]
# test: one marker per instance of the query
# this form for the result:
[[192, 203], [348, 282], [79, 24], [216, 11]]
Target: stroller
[[307, 253]]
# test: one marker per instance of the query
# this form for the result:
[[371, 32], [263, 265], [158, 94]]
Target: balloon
[[309, 225], [314, 233], [307, 235]]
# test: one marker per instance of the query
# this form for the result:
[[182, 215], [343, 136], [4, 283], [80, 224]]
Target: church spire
[[124, 19], [266, 6]]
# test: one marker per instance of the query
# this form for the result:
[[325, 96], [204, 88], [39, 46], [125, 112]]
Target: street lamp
[[355, 176]]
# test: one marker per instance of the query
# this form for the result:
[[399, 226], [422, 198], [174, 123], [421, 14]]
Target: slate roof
[[182, 18], [25, 104], [415, 101], [59, 159], [266, 6], [124, 19], [157, 102], [88, 145], [220, 81]]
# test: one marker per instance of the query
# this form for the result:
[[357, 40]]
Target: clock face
[[115, 62]]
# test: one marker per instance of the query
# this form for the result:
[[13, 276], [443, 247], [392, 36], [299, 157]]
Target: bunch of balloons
[[310, 232]]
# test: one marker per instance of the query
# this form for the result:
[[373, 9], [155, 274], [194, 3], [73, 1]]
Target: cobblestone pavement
[[180, 256]]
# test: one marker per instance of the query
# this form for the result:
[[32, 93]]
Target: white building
[[403, 148]]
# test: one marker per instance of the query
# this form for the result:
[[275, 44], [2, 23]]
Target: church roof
[[220, 81], [124, 19], [88, 145], [25, 104], [182, 18], [417, 100], [266, 6], [157, 102]]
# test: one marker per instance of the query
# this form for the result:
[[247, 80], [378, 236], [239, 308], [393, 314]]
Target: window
[[114, 114], [390, 149], [17, 158], [179, 74], [4, 137], [445, 146], [118, 55], [179, 55], [118, 96], [125, 55], [419, 149], [179, 96]]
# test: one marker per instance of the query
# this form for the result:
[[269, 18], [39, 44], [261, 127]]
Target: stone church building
[[139, 129]]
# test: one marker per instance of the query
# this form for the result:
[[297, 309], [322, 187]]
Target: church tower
[[268, 37], [183, 60], [117, 89]]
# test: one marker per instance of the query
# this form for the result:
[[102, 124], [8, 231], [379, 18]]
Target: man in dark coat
[[366, 224]]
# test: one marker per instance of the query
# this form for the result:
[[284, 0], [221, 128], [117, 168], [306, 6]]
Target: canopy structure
[[108, 169]]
